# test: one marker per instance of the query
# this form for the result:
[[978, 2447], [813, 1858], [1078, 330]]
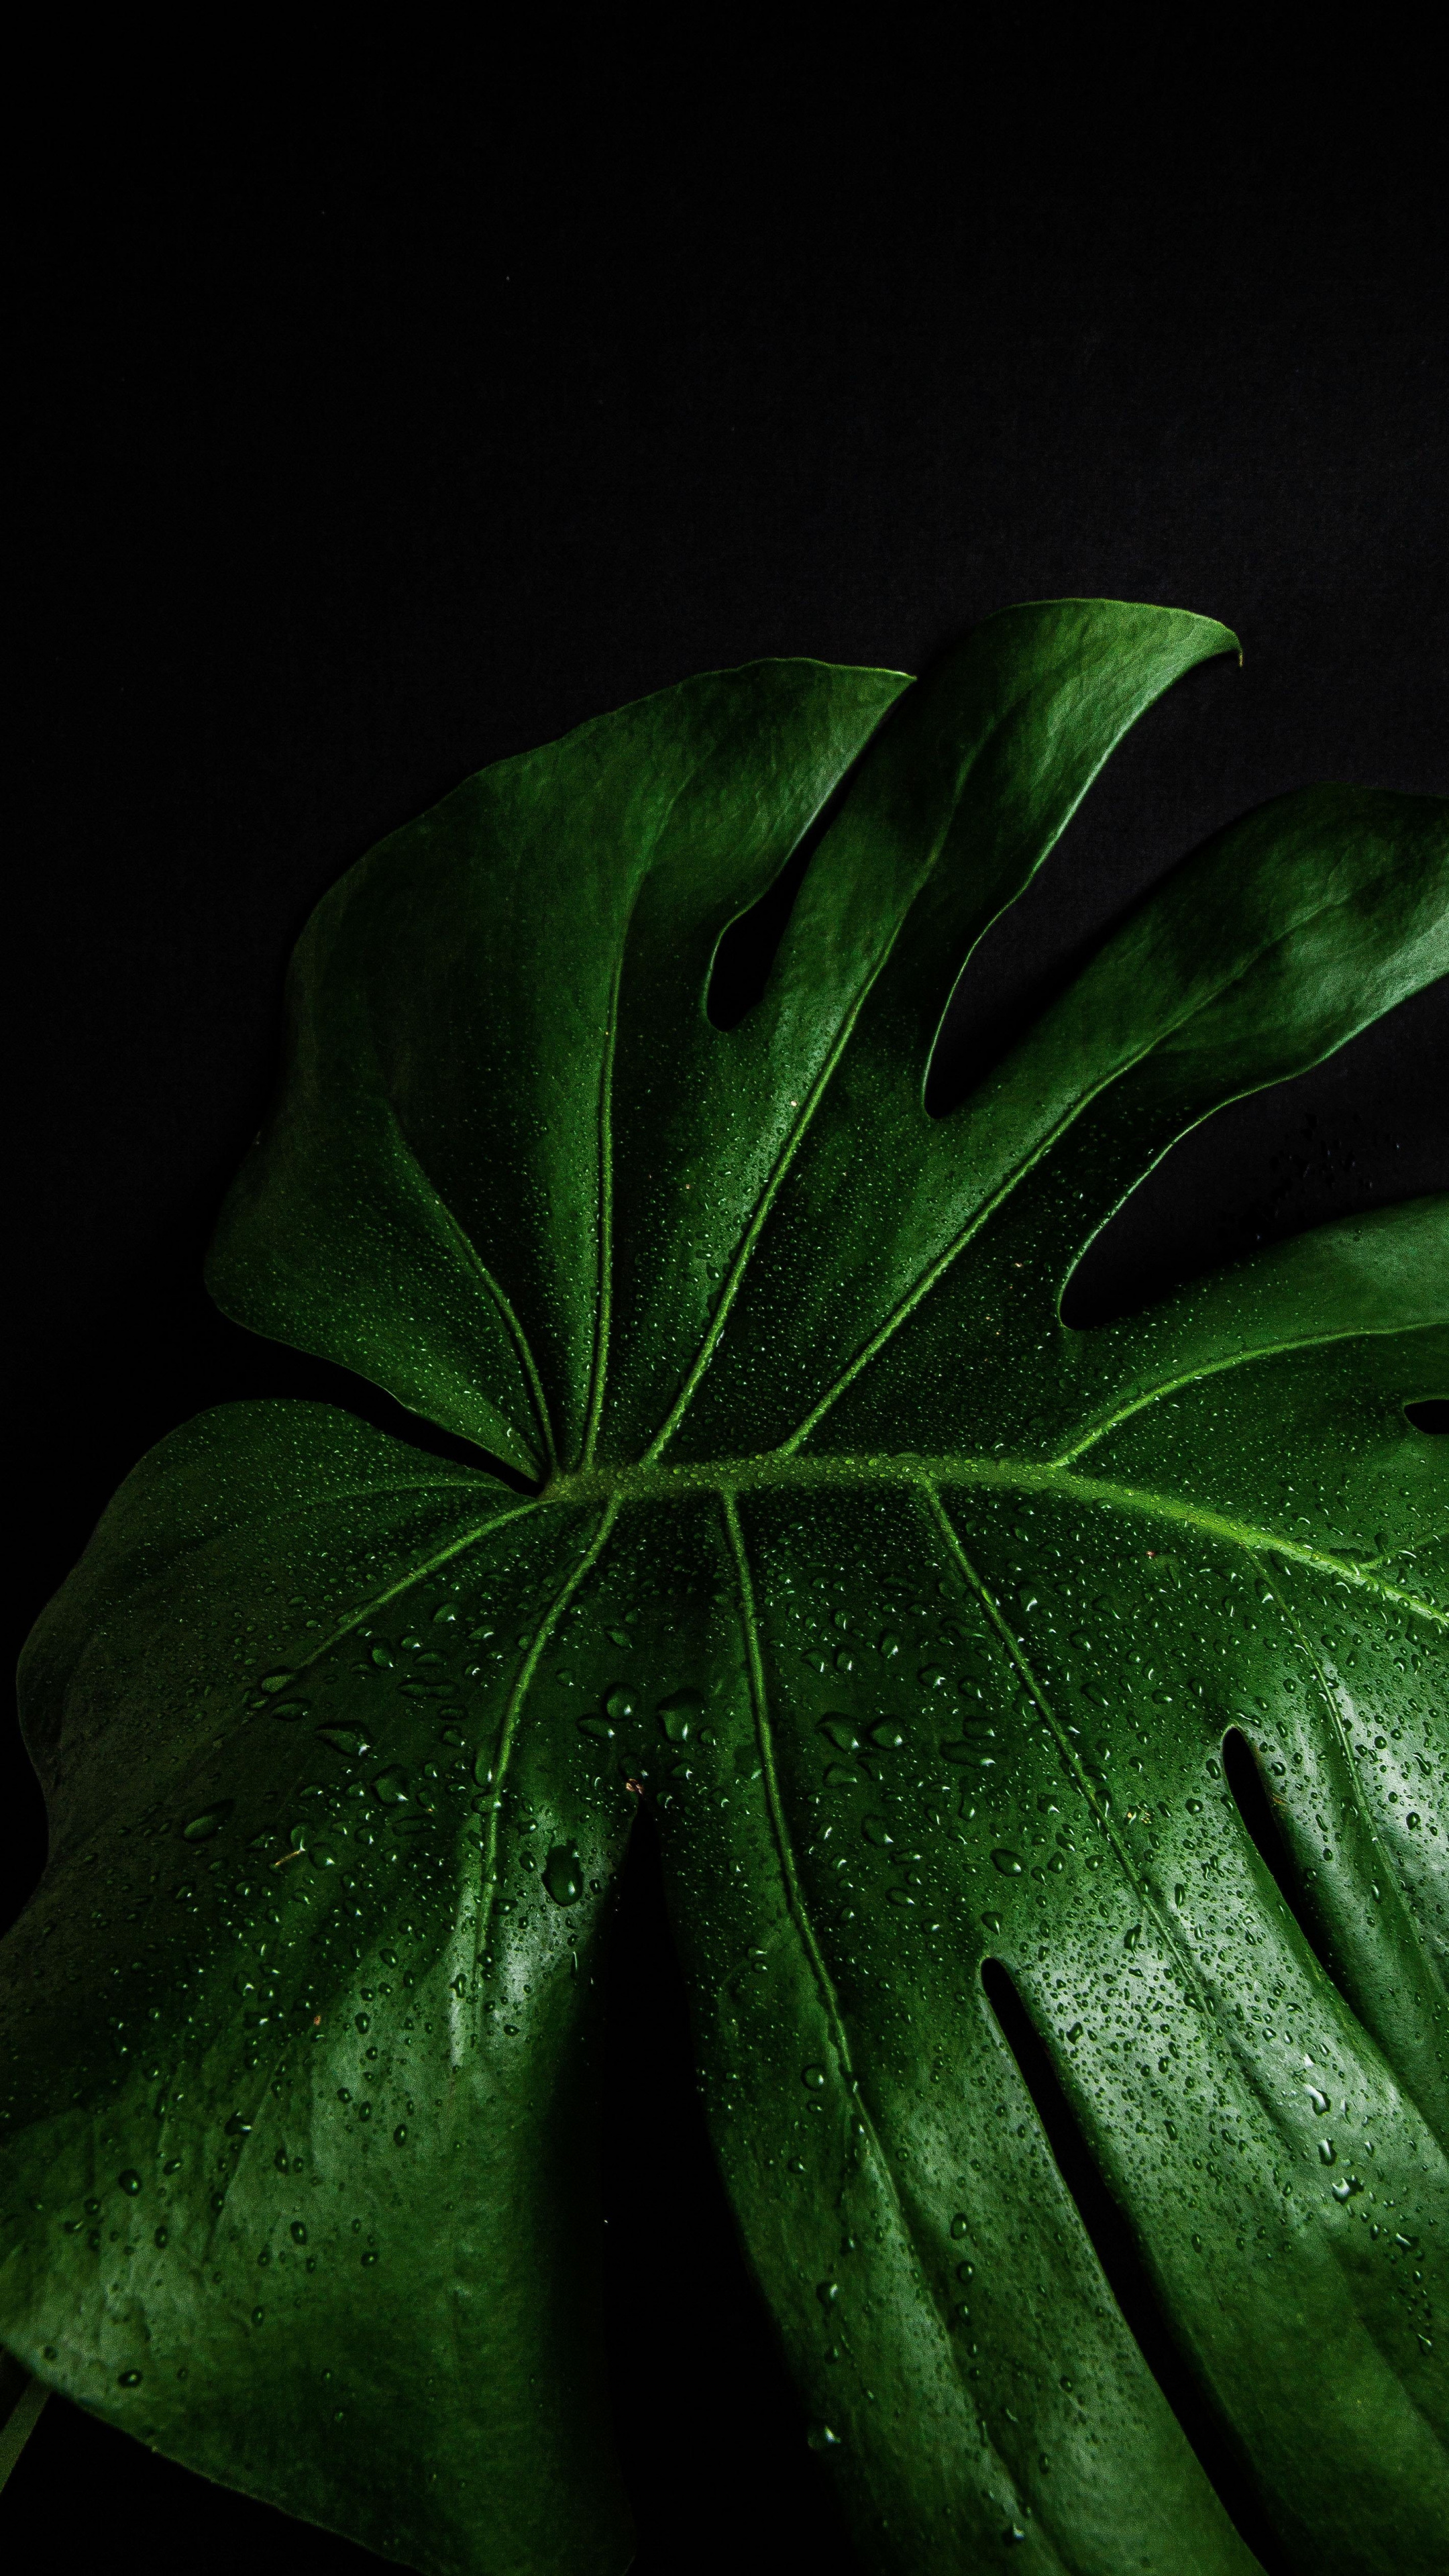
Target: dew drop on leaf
[[563, 1874], [199, 1829], [679, 1713]]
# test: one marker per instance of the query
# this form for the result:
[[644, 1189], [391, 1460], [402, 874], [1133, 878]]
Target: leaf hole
[[1252, 1796], [747, 948], [1431, 1414], [1115, 2247]]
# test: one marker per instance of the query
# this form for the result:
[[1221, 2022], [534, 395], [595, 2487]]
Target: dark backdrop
[[377, 430]]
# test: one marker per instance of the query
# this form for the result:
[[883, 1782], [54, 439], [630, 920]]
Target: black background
[[381, 423]]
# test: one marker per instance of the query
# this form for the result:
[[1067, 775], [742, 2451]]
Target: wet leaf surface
[[1044, 1729]]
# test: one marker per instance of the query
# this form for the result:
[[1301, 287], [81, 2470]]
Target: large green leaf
[[919, 1618]]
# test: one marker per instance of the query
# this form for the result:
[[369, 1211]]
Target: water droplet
[[202, 1827], [1319, 2101], [382, 1657], [162, 2236], [289, 1710], [960, 2225], [822, 2438], [932, 1677], [597, 1726], [813, 2078], [390, 1788], [400, 2135], [679, 1713], [128, 2379], [1008, 1862], [887, 1736], [827, 2292], [299, 2232], [876, 1830], [619, 1703], [237, 2127], [992, 1922], [362, 2021], [888, 1642], [841, 1732], [563, 1874], [346, 1739], [1327, 2153], [257, 2315], [273, 1683]]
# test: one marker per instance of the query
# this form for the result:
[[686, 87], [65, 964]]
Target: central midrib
[[654, 1481]]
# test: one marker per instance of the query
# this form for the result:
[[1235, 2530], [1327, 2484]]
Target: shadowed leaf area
[[1044, 1729]]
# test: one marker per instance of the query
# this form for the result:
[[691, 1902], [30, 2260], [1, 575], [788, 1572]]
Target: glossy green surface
[[918, 1617]]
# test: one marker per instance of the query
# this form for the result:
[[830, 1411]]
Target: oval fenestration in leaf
[[784, 1357]]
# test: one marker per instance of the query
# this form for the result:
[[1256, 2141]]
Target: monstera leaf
[[919, 1619]]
